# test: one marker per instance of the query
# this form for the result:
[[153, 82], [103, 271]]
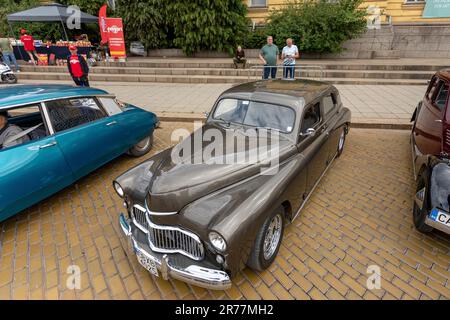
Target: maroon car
[[430, 140]]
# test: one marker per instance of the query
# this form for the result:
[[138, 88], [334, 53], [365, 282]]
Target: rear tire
[[267, 242], [142, 147], [419, 214]]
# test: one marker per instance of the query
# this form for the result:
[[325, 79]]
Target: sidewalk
[[370, 104]]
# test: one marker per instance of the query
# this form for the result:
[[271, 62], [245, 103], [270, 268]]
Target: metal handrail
[[302, 71]]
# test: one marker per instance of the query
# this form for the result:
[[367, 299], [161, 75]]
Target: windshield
[[255, 114]]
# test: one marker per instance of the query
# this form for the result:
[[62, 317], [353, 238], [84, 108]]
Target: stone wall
[[389, 42]]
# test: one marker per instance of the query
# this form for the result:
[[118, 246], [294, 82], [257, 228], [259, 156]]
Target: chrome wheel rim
[[143, 144], [341, 141], [273, 236]]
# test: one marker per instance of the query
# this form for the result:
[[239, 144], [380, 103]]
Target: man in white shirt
[[289, 54], [9, 130]]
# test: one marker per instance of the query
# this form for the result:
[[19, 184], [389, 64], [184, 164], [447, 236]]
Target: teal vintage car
[[60, 134]]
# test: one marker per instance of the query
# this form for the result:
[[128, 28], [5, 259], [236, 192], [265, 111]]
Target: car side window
[[441, 98], [22, 125], [329, 102], [311, 117], [69, 113], [110, 105], [433, 85]]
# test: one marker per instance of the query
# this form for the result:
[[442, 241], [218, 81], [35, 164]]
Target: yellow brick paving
[[360, 215]]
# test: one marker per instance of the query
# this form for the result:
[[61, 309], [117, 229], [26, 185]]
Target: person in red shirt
[[78, 67], [28, 45]]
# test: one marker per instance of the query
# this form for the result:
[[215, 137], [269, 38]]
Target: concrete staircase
[[222, 71]]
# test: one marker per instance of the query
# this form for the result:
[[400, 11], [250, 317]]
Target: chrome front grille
[[168, 239], [139, 218], [447, 137]]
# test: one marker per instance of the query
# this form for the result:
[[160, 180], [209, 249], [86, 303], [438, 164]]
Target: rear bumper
[[194, 274]]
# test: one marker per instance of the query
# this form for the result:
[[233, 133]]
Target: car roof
[[28, 94], [286, 91], [445, 74]]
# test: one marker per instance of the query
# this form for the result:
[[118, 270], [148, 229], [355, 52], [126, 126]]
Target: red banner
[[102, 24], [116, 39]]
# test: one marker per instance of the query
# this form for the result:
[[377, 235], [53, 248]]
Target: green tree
[[208, 24], [318, 25]]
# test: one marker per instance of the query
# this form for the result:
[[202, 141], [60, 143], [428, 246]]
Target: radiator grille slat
[[168, 239]]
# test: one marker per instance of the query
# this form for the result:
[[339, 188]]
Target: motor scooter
[[6, 74]]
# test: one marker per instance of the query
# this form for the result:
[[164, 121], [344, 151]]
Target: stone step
[[306, 71], [155, 67], [210, 79]]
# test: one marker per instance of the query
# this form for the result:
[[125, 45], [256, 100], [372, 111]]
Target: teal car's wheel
[[142, 147]]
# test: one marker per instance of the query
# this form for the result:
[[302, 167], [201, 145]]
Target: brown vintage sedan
[[202, 220], [430, 141]]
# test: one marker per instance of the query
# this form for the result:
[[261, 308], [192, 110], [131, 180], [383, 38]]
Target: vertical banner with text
[[114, 27]]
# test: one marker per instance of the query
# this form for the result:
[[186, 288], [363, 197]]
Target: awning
[[49, 13]]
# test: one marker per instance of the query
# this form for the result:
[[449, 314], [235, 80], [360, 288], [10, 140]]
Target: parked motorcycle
[[6, 74]]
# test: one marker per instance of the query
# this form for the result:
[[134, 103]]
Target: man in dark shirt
[[239, 58], [78, 68]]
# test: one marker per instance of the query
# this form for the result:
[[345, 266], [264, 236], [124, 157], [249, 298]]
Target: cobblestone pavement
[[360, 215], [391, 103]]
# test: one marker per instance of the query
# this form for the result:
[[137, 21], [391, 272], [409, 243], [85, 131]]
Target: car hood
[[181, 176]]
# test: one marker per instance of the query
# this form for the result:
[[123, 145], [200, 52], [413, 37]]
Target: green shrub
[[255, 39], [317, 26]]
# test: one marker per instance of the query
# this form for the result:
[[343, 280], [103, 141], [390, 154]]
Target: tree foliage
[[317, 25], [189, 25]]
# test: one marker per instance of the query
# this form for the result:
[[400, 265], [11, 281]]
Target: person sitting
[[239, 58], [7, 131]]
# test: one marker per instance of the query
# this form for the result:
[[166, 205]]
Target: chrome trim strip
[[107, 95], [314, 187], [47, 118], [194, 274], [154, 213]]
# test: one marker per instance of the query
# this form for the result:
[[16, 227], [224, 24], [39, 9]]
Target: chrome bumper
[[437, 225], [193, 274]]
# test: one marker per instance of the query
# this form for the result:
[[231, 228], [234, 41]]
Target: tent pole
[[65, 32], [14, 36]]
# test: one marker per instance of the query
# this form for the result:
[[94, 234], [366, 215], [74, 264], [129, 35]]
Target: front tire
[[142, 147], [268, 241], [422, 202], [9, 78]]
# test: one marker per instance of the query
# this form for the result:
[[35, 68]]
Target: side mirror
[[206, 114], [308, 132]]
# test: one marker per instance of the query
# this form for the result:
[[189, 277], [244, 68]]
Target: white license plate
[[440, 216], [147, 263]]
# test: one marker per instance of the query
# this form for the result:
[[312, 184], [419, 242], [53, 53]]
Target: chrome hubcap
[[143, 144], [272, 237], [342, 140]]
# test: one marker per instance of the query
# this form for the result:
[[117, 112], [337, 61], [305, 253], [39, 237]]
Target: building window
[[257, 3]]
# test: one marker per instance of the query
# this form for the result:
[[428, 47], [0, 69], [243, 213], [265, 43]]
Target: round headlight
[[217, 241], [119, 189]]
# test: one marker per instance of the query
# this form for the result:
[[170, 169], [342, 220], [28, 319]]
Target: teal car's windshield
[[255, 114]]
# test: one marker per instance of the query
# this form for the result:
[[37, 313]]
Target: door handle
[[47, 145], [438, 120], [111, 123]]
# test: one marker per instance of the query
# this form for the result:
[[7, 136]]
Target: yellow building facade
[[393, 11]]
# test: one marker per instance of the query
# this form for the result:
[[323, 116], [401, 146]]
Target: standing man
[[28, 45], [78, 68], [289, 54], [8, 52], [269, 57]]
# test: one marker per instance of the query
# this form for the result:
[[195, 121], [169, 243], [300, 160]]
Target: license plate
[[148, 264], [440, 216]]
